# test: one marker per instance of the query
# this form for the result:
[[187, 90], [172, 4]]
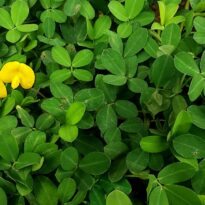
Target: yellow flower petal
[[27, 76], [15, 82], [8, 71], [3, 91]]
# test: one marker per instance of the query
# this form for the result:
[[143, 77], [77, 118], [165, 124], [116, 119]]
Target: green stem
[[154, 34]]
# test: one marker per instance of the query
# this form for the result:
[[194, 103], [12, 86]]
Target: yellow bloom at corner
[[17, 74]]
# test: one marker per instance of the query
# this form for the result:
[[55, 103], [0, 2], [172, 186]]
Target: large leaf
[[175, 173], [45, 191], [180, 195], [82, 58], [162, 70], [189, 146], [19, 12], [5, 19]]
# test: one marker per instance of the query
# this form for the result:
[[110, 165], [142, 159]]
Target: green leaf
[[106, 118], [61, 56], [45, 191], [196, 87], [49, 27], [7, 123], [118, 198], [199, 24], [134, 7], [126, 109], [175, 173], [116, 80], [180, 195], [153, 144], [83, 75], [197, 114], [101, 26], [69, 159], [124, 29], [171, 35], [199, 37], [136, 42], [9, 147], [158, 196], [113, 62], [19, 12], [189, 146], [27, 28], [92, 97], [27, 159], [66, 189], [115, 42], [132, 125], [185, 63], [114, 149], [137, 85], [137, 160], [182, 123], [5, 19], [3, 197], [87, 10], [71, 7], [145, 18], [118, 10], [58, 76], [75, 113], [151, 47], [162, 70], [26, 119], [33, 139], [95, 163], [68, 132], [13, 36], [96, 196], [82, 58]]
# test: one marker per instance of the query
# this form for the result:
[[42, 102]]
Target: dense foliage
[[116, 115]]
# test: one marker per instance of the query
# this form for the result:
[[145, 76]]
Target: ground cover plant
[[102, 102]]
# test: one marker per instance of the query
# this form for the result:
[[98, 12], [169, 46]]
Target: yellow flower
[[17, 74], [3, 91]]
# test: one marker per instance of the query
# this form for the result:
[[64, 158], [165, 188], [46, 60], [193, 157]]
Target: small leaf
[[82, 58], [61, 56], [118, 198], [136, 42], [196, 87], [158, 196], [116, 80], [75, 113], [66, 189], [118, 10], [5, 19], [185, 63], [25, 117], [95, 163], [113, 62], [134, 7], [68, 132], [69, 159], [153, 144], [83, 75]]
